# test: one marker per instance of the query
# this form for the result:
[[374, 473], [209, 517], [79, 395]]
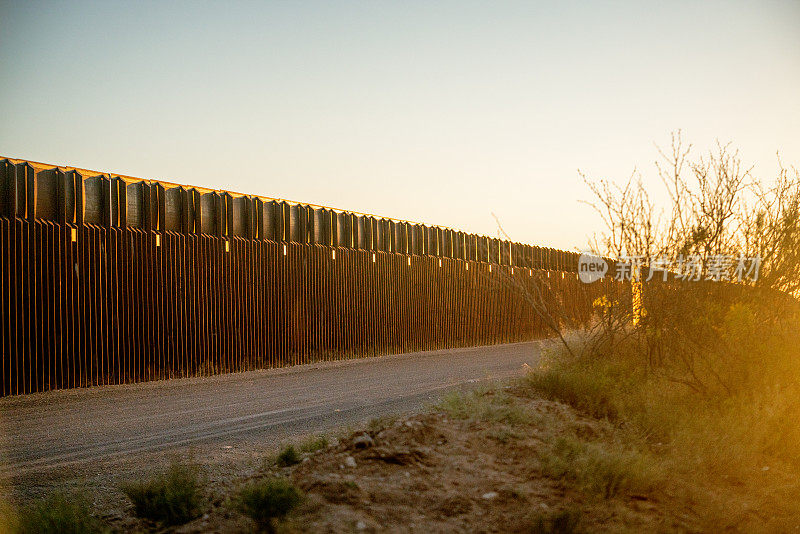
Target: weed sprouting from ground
[[287, 457], [313, 444], [268, 501], [377, 424], [484, 405], [172, 498], [60, 513]]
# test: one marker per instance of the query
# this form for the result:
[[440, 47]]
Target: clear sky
[[440, 112]]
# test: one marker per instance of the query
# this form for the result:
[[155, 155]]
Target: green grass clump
[[268, 501], [485, 406], [314, 443], [172, 498], [586, 386], [59, 513], [287, 457], [599, 467]]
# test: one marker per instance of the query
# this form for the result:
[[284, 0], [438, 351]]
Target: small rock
[[306, 459], [205, 517], [363, 441], [409, 424], [765, 468], [361, 525], [350, 461], [490, 495], [341, 466], [334, 442]]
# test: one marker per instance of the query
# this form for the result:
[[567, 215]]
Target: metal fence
[[90, 299]]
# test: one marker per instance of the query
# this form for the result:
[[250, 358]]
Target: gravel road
[[63, 430]]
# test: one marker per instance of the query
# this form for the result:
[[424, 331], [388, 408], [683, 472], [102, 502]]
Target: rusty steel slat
[[174, 302], [225, 292], [258, 294], [101, 294], [29, 282], [153, 348], [97, 318], [115, 270], [201, 301], [40, 330], [302, 314], [216, 354], [169, 303], [126, 308], [142, 305], [87, 323], [133, 333], [313, 321], [51, 358], [184, 322], [283, 328], [79, 364], [165, 330], [113, 236], [265, 318], [271, 257], [250, 332], [217, 308], [91, 316], [5, 301], [338, 317], [194, 258], [213, 281], [234, 295], [135, 300], [231, 283], [242, 330]]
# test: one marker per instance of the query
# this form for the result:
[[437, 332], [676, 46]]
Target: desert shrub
[[712, 372], [268, 501], [59, 513], [314, 443], [173, 498], [287, 456]]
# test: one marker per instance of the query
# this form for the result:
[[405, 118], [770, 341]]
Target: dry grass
[[734, 455], [171, 498]]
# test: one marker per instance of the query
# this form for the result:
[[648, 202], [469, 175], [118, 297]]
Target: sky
[[436, 112]]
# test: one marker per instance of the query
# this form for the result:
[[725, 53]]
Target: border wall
[[109, 279]]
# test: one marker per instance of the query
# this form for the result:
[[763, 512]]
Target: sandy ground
[[431, 472], [97, 438]]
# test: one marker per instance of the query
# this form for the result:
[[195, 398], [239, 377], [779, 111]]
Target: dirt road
[[65, 429]]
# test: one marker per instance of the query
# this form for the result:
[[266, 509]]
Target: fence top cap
[[88, 173]]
